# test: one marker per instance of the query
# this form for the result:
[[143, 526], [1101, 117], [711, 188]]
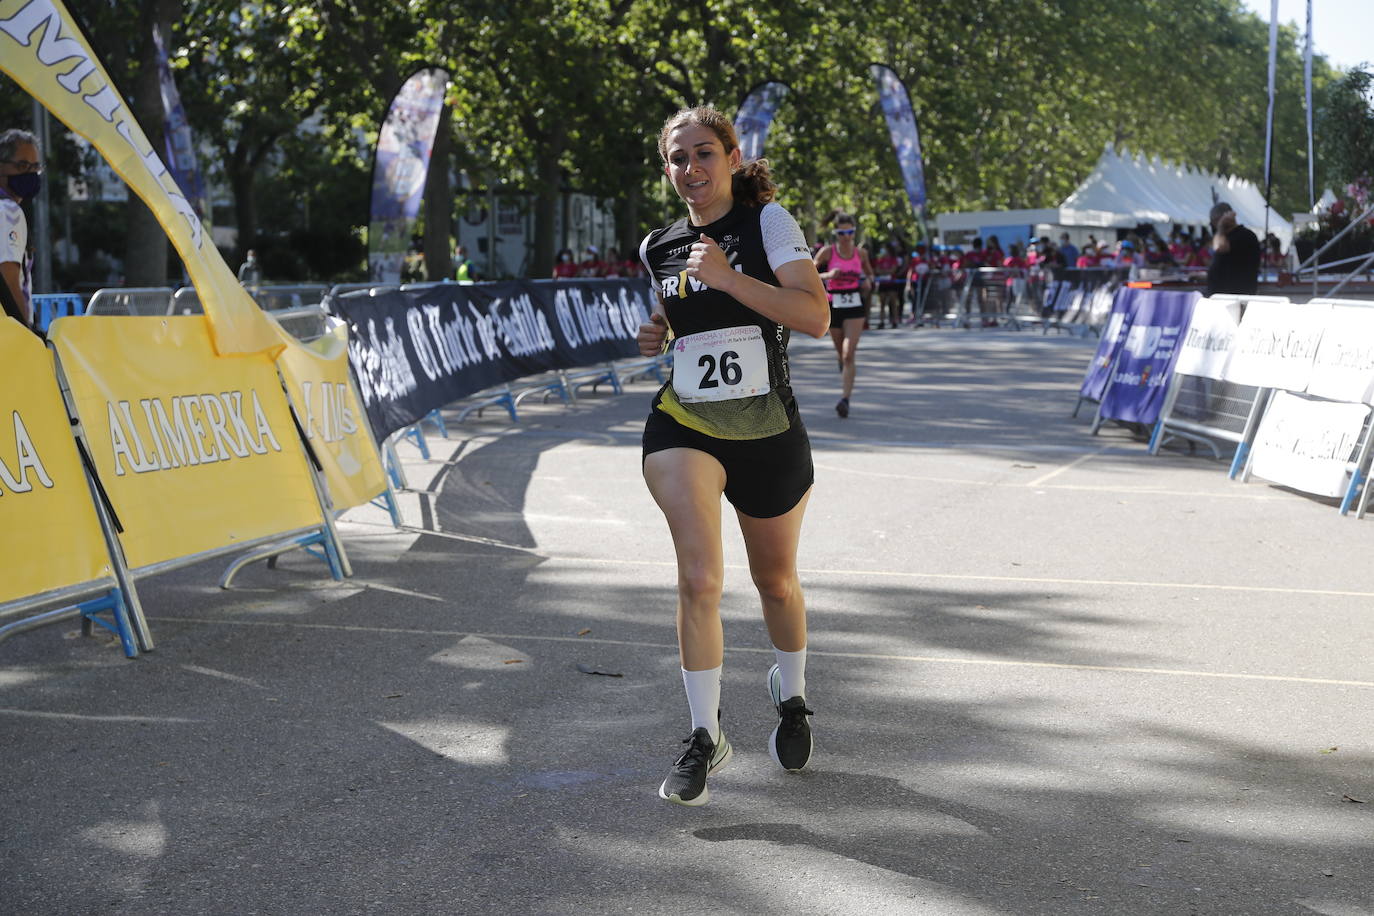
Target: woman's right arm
[[653, 332]]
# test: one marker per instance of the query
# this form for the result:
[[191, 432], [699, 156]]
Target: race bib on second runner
[[720, 365], [846, 300]]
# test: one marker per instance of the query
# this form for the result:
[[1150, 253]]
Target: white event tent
[[1124, 190]]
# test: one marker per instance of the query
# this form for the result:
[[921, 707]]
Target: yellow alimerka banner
[[49, 534], [196, 451], [317, 376], [43, 51]]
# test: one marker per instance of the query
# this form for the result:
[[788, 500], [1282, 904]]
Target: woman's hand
[[652, 334], [707, 263]]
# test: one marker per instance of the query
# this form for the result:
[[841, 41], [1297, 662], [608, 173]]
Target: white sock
[[792, 667], [703, 698]]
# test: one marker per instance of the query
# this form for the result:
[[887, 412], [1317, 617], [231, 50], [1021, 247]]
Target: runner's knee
[[777, 586], [700, 584]]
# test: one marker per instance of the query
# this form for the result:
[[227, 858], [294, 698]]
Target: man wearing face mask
[[1236, 255], [21, 175]]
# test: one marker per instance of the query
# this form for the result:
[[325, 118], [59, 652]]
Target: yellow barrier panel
[[42, 51], [196, 451], [49, 535], [317, 376]]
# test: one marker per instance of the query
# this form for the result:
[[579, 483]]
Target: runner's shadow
[[901, 830]]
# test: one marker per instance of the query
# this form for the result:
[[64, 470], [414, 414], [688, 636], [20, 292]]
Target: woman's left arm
[[798, 302]]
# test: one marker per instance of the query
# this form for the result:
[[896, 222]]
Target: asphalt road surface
[[1052, 674]]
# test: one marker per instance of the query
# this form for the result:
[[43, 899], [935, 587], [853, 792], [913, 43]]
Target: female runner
[[734, 278], [848, 277]]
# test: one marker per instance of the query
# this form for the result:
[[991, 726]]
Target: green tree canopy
[[1015, 100]]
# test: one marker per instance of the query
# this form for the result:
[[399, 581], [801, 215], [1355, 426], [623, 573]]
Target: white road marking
[[222, 675], [83, 717], [1122, 583], [1046, 478], [812, 651], [1247, 493]]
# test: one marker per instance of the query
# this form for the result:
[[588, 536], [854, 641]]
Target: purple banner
[[756, 116], [901, 126], [179, 144], [399, 169], [1100, 369], [1157, 321]]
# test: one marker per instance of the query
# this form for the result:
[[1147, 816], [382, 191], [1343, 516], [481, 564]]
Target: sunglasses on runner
[[844, 231]]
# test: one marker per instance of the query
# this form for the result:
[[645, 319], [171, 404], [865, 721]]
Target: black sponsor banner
[[413, 351]]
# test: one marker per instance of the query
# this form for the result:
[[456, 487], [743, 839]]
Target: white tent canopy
[[1125, 190], [1153, 191]]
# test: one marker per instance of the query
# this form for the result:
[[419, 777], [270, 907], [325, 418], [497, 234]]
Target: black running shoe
[[842, 408], [686, 784], [790, 744]]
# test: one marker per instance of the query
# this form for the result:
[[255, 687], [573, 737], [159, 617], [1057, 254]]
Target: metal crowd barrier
[[186, 301], [160, 300], [1203, 411], [281, 297], [985, 297], [145, 300], [49, 307], [306, 322]]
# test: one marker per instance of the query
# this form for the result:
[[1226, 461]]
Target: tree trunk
[[809, 228], [439, 204], [627, 222], [145, 243], [546, 201], [242, 178]]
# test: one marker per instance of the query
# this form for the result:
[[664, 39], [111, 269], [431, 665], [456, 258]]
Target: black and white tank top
[[730, 375]]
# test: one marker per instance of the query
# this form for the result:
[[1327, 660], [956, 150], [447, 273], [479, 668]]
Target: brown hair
[[751, 183]]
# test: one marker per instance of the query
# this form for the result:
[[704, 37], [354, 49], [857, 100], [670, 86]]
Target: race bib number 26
[[720, 365]]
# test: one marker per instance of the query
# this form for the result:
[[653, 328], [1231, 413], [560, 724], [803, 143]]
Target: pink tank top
[[853, 263]]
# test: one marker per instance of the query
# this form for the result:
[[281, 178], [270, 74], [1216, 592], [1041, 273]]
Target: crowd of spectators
[[1181, 251], [911, 276], [595, 264], [902, 274]]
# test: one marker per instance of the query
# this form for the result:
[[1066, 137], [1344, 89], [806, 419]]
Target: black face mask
[[26, 186]]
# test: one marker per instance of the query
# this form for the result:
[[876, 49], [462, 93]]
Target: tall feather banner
[[399, 168], [906, 142], [755, 117]]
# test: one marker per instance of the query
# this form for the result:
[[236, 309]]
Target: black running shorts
[[838, 316], [764, 478]]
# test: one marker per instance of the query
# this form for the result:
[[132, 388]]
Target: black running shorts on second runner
[[839, 316], [764, 478]]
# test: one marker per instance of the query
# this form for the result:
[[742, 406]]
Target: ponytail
[[752, 184]]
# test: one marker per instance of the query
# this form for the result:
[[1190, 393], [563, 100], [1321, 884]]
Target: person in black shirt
[[1235, 255], [734, 278]]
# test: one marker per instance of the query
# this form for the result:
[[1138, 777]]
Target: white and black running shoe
[[790, 744], [686, 784]]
